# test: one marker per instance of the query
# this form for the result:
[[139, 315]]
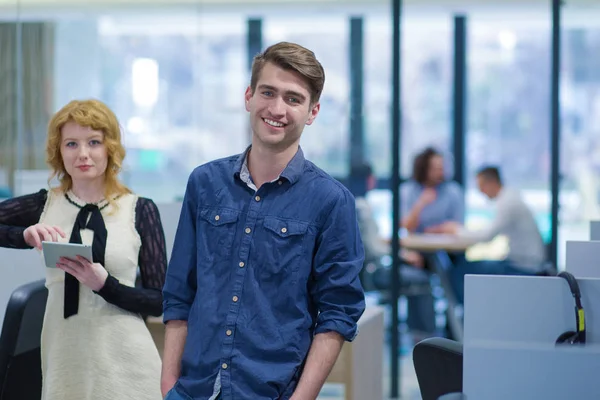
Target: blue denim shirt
[[257, 274]]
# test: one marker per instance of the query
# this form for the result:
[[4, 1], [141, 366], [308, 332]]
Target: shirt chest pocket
[[216, 231], [285, 247]]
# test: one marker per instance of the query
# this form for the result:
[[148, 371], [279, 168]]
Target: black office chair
[[20, 359], [438, 364]]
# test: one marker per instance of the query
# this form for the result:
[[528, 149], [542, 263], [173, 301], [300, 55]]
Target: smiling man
[[262, 288]]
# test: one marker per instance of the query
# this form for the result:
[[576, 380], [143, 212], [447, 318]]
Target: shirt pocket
[[285, 248], [216, 232]]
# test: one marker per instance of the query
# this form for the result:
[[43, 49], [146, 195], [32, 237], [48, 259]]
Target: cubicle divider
[[510, 328]]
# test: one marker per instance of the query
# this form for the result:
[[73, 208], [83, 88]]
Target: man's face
[[279, 108], [485, 186], [435, 173]]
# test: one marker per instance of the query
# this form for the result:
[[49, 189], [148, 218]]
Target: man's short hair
[[361, 170], [293, 57], [490, 173], [421, 164]]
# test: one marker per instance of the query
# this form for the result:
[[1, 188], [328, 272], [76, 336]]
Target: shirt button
[[224, 366], [248, 230], [235, 299], [283, 230], [228, 333], [279, 182], [217, 217], [257, 198], [241, 264]]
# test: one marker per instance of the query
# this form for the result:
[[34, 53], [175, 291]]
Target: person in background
[[95, 344], [263, 286], [429, 199], [376, 247], [513, 219]]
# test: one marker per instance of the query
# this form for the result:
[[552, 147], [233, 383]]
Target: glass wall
[[426, 68], [580, 122], [508, 110]]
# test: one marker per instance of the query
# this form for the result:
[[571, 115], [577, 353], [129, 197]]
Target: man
[[263, 286], [526, 255], [429, 199]]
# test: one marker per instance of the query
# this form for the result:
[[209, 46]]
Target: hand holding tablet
[[53, 251]]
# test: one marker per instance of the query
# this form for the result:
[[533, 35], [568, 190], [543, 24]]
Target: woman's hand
[[38, 233], [92, 275]]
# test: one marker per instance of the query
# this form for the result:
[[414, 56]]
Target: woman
[[95, 344]]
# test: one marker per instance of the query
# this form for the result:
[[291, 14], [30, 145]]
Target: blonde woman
[[95, 345]]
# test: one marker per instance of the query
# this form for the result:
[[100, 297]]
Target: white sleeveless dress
[[103, 352]]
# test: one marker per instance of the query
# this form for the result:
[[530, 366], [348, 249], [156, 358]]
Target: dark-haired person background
[[513, 219], [428, 201]]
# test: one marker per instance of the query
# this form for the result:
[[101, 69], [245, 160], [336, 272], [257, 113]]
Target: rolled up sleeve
[[179, 290], [339, 257]]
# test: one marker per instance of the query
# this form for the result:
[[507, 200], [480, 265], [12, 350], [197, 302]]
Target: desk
[[428, 242], [360, 364], [438, 246]]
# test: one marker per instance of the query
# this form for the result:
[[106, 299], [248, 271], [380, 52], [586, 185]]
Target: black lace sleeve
[[146, 300], [17, 214]]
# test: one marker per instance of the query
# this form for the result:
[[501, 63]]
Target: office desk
[[428, 242], [360, 364]]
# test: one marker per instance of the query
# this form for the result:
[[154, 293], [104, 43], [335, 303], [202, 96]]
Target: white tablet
[[53, 251]]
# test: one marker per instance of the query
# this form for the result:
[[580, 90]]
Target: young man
[[263, 286]]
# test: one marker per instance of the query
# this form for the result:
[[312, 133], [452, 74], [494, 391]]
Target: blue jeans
[[175, 395], [485, 267]]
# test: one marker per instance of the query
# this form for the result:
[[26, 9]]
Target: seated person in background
[[526, 255], [375, 246], [428, 199]]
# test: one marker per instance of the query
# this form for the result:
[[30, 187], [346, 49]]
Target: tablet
[[53, 251]]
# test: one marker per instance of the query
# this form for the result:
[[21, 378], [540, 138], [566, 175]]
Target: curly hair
[[97, 116]]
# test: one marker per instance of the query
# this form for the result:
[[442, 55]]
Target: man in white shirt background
[[513, 219]]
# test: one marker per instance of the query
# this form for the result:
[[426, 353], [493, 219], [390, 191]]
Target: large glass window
[[509, 115], [426, 67], [176, 82], [580, 123]]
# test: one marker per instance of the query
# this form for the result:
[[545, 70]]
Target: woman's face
[[83, 152], [435, 172]]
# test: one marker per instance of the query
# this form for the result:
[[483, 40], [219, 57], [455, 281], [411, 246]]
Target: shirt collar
[[292, 171]]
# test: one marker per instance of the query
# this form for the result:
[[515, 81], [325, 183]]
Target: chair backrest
[[20, 359], [439, 367]]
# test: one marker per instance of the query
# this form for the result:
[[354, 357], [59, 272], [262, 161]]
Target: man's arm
[[179, 290], [505, 216], [175, 335], [336, 290], [322, 355]]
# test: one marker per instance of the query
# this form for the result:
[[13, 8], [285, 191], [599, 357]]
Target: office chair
[[20, 359], [438, 364]]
